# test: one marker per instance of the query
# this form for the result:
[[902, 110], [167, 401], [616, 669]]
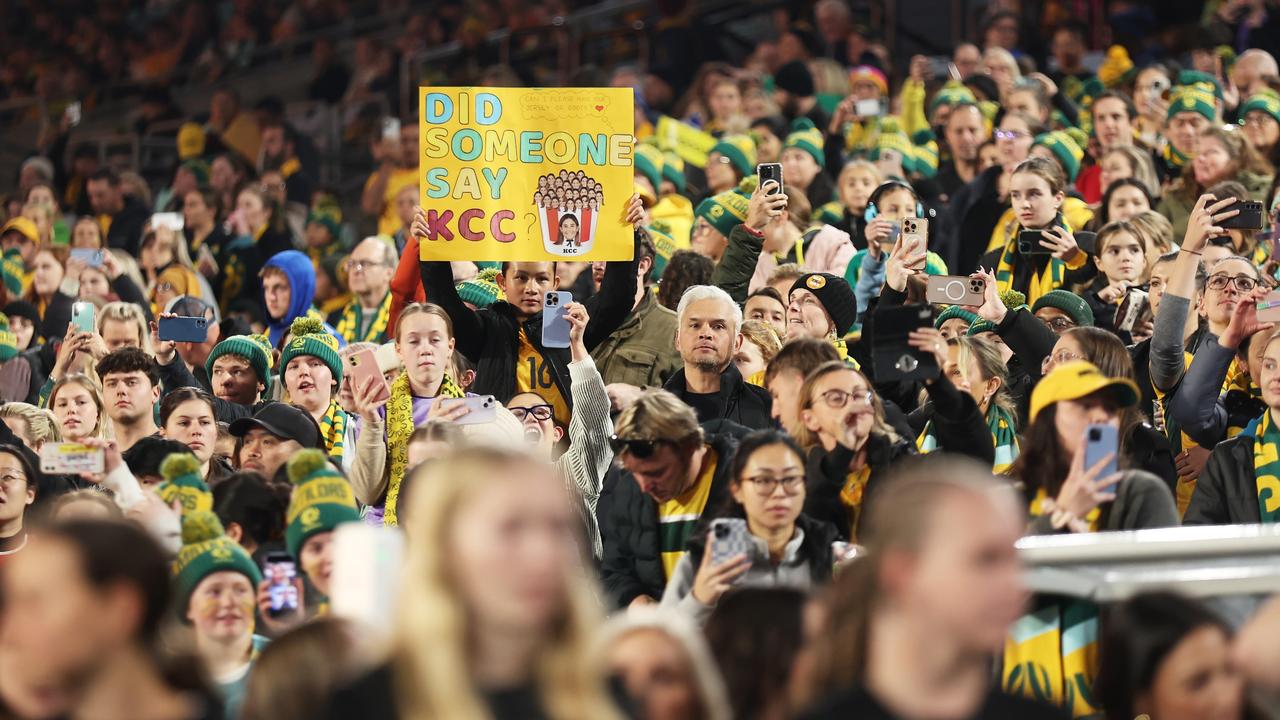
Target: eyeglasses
[[765, 485], [541, 413], [1059, 324], [836, 399], [11, 480], [1061, 357], [268, 187], [637, 447], [1243, 283], [1010, 134], [361, 265]]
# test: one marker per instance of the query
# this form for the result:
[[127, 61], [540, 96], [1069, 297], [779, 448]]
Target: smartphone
[[171, 220], [729, 538], [1133, 310], [895, 229], [363, 365], [868, 108], [183, 329], [1269, 307], [954, 72], [1029, 243], [484, 408], [89, 256], [1087, 241], [1250, 217], [68, 458], [916, 229], [954, 290], [1099, 442], [892, 358], [280, 571], [770, 171], [391, 129], [73, 113], [82, 316], [555, 319], [366, 576]]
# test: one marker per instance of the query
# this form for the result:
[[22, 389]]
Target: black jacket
[[969, 221], [56, 318], [738, 400], [490, 338], [125, 232], [632, 564], [828, 471], [1227, 491], [957, 420]]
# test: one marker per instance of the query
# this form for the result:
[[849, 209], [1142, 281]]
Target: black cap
[[283, 420], [191, 306], [145, 456]]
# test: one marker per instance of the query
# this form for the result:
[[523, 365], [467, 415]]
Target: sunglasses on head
[[637, 447]]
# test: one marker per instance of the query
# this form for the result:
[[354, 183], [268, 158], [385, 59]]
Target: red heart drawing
[[599, 108]]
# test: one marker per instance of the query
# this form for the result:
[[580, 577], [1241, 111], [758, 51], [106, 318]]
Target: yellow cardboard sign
[[527, 174], [690, 143]]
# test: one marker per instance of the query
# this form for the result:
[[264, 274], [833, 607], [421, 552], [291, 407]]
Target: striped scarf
[[333, 428], [353, 319], [1172, 158], [1266, 468], [399, 429], [999, 422], [1051, 278], [1051, 654]]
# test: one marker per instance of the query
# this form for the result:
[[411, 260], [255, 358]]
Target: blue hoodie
[[301, 273]]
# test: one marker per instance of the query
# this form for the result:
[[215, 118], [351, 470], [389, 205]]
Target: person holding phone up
[[785, 548]]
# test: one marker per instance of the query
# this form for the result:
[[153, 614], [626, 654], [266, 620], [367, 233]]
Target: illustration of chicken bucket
[[568, 206]]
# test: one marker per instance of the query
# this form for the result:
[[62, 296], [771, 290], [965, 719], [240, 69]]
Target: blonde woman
[[496, 614], [760, 345], [76, 402], [33, 425]]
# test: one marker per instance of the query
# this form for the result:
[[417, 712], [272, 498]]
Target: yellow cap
[[1077, 379], [647, 198], [191, 141], [23, 225]]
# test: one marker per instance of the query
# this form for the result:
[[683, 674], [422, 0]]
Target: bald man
[[369, 273], [1251, 69]]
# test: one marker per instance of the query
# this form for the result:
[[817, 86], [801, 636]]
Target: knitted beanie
[[200, 169], [1266, 101], [924, 149], [1197, 93], [1067, 146], [795, 78], [892, 138], [873, 75], [664, 247], [805, 136], [954, 312], [8, 341], [12, 268], [953, 93], [673, 170], [1195, 77], [1013, 299], [741, 151], [980, 326], [308, 337], [836, 296], [1116, 68], [253, 348], [649, 162], [1073, 305], [322, 499], [481, 290], [182, 482], [206, 549], [724, 211], [329, 214]]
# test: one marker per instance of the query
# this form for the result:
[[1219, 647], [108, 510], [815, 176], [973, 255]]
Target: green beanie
[[925, 150], [328, 213], [200, 169], [308, 337], [1195, 77], [8, 341], [953, 312], [673, 170], [182, 482], [1266, 101], [253, 348], [980, 326], [741, 151], [1013, 299], [831, 213], [724, 211], [322, 499], [664, 247], [649, 163], [481, 290], [1067, 146], [206, 549], [805, 136], [952, 93], [892, 138], [1073, 305], [13, 269], [1195, 92]]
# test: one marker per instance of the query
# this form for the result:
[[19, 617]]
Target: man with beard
[[707, 325], [278, 152], [130, 389], [273, 435]]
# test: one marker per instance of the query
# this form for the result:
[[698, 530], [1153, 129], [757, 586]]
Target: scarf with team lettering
[[352, 320], [399, 428], [1266, 467]]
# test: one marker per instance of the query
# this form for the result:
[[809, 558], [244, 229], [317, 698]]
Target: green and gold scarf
[[399, 429], [333, 428], [353, 319], [1001, 425], [1266, 468], [1051, 278]]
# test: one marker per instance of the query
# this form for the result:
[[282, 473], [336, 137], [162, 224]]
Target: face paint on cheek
[[206, 608], [248, 606], [311, 566]]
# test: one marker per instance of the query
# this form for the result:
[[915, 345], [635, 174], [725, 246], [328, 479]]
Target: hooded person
[[288, 291]]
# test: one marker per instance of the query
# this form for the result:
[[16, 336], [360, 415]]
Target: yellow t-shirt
[[533, 375], [678, 517], [389, 220]]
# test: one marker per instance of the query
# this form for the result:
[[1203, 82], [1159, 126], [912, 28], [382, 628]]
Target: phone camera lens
[[1095, 435], [906, 364], [722, 531]]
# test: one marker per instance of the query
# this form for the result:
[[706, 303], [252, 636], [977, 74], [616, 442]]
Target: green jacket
[[737, 265], [1176, 206], [642, 351]]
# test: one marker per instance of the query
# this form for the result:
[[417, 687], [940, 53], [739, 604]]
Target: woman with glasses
[[850, 444], [785, 547], [18, 490]]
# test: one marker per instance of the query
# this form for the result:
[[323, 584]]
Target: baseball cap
[[283, 420], [1077, 379]]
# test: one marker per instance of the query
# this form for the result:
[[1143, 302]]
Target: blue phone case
[[1100, 441], [82, 316], [555, 319], [184, 329]]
